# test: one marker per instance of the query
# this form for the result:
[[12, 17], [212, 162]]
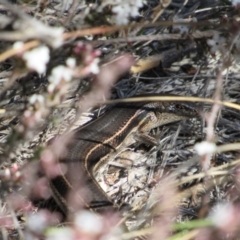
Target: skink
[[95, 140]]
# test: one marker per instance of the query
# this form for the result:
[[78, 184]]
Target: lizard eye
[[187, 107], [176, 106], [180, 106]]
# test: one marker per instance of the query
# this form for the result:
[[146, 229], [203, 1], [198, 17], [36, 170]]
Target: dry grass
[[60, 64]]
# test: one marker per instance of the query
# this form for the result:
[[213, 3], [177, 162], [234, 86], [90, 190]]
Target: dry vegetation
[[59, 63]]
